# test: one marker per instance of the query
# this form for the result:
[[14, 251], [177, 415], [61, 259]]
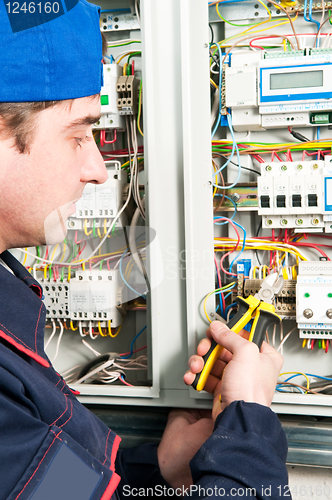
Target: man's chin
[[55, 228]]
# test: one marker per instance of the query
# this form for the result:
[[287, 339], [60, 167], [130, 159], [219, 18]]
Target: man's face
[[38, 190]]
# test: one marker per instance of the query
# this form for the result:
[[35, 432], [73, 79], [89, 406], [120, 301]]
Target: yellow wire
[[64, 251], [25, 256], [213, 83], [69, 273], [254, 272], [99, 234], [125, 55], [297, 373], [45, 272], [86, 228], [72, 326], [56, 246], [294, 272], [83, 266], [265, 270], [304, 343], [100, 330], [323, 344], [124, 70], [211, 293], [110, 331]]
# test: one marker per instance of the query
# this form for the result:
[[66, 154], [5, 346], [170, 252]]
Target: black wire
[[257, 233], [212, 35], [237, 165], [298, 136]]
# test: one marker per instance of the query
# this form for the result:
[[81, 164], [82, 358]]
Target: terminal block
[[127, 89]]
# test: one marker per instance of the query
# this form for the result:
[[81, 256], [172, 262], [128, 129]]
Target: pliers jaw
[[271, 286]]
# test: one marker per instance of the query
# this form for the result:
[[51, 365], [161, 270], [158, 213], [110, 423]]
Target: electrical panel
[[170, 240]]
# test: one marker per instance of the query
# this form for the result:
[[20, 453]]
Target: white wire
[[80, 329], [286, 338], [93, 337], [58, 342], [52, 334]]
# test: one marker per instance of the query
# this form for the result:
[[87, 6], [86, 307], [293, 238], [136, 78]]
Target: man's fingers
[[225, 337]]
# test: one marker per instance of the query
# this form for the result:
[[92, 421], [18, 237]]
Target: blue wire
[[229, 307], [132, 344], [220, 298], [123, 278], [235, 210], [243, 245], [318, 133], [282, 385], [313, 20], [235, 147]]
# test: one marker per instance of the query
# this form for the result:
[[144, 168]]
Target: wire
[[132, 343]]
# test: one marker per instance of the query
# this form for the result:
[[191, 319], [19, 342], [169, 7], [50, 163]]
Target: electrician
[[51, 447]]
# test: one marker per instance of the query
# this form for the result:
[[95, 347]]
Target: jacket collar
[[22, 312]]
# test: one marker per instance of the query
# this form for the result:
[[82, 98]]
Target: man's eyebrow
[[86, 120]]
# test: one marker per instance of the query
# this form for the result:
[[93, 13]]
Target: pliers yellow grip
[[253, 307]]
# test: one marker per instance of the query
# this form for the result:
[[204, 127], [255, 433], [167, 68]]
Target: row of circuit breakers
[[296, 195]]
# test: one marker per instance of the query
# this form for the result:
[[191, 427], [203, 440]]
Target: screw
[[206, 45], [111, 121], [235, 197], [299, 222], [307, 313], [299, 167], [314, 222], [284, 222], [108, 69], [315, 166], [72, 223], [210, 183], [268, 168], [284, 168], [329, 313], [268, 222]]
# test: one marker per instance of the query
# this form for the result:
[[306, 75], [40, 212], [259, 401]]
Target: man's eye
[[79, 141]]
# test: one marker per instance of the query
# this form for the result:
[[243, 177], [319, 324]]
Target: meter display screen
[[294, 80]]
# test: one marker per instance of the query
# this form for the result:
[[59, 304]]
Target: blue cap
[[51, 53]]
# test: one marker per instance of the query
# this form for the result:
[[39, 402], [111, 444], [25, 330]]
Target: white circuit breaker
[[110, 116], [94, 296], [100, 202]]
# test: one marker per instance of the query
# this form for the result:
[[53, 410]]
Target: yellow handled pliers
[[258, 307]]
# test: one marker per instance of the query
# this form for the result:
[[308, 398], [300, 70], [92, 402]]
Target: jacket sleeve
[[138, 468], [244, 457]]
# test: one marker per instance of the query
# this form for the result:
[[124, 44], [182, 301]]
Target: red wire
[[233, 250], [327, 346], [103, 138], [136, 350], [124, 382], [132, 67]]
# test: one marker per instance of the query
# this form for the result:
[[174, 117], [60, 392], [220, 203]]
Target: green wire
[[233, 24], [101, 265], [62, 274], [50, 270], [330, 20], [133, 55], [38, 254], [94, 228], [123, 44]]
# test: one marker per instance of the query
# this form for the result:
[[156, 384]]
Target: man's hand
[[185, 433], [247, 374]]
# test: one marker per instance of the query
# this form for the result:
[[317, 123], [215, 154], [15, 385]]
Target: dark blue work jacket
[[53, 448]]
